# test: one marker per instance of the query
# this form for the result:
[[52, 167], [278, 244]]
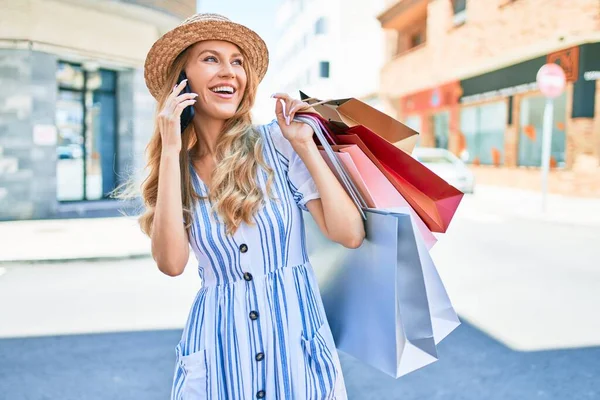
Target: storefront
[[496, 118], [86, 122], [76, 114], [432, 112]]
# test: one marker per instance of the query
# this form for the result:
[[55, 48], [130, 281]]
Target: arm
[[170, 243], [335, 213], [170, 248]]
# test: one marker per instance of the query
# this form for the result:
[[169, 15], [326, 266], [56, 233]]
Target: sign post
[[551, 80]]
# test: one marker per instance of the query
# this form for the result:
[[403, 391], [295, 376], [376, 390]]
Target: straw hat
[[195, 29]]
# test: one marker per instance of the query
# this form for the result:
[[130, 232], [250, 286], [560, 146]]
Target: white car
[[447, 166]]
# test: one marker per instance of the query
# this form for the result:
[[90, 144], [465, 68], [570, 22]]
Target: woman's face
[[215, 72]]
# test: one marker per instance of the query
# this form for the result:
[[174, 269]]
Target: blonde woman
[[257, 328]]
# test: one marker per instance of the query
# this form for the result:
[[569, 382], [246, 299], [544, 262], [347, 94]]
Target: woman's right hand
[[170, 116]]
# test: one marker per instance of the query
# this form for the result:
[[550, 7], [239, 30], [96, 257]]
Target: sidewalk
[[72, 239], [120, 237], [527, 204]]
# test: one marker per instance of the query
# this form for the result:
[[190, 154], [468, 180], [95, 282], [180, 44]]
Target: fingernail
[[195, 94], [287, 120]]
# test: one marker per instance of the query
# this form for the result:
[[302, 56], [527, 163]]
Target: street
[[526, 291]]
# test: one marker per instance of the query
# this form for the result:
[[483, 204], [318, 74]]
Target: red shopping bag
[[434, 199]]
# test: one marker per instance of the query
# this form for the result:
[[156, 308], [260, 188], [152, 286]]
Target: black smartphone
[[187, 115]]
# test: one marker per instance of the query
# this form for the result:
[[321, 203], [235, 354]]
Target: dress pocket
[[195, 382], [320, 364]]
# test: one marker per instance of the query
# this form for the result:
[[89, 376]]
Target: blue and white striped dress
[[257, 328]]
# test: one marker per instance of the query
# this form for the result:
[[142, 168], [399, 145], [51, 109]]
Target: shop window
[[86, 110], [483, 130], [324, 69], [530, 131], [441, 128]]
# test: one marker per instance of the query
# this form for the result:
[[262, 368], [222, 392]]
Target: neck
[[207, 132]]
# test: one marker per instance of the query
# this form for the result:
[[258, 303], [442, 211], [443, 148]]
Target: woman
[[257, 328]]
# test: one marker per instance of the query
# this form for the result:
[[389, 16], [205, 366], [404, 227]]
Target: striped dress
[[257, 328]]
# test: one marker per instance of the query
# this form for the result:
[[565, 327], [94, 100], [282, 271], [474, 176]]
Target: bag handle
[[355, 195]]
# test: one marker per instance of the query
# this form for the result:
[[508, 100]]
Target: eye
[[210, 58], [238, 61]]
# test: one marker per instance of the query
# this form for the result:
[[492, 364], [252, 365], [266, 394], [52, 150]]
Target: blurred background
[[84, 312]]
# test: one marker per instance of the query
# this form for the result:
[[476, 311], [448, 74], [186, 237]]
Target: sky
[[260, 17]]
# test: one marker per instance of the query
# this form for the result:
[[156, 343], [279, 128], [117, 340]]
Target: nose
[[227, 71]]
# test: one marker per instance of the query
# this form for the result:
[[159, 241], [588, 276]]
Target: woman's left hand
[[285, 109]]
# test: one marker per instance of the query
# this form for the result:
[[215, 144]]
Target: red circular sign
[[551, 80]]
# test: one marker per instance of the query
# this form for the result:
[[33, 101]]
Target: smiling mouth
[[223, 90]]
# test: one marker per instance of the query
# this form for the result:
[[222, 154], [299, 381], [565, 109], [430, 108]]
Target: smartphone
[[187, 115]]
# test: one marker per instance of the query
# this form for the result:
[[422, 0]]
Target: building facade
[[75, 114], [332, 49], [463, 74]]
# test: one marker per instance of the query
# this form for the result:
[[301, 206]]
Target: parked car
[[447, 166]]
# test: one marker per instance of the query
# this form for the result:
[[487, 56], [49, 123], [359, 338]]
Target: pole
[[546, 147]]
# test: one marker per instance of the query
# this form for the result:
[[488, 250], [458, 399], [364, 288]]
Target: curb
[[76, 259]]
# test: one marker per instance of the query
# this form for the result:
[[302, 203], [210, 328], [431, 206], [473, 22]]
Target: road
[[527, 292]]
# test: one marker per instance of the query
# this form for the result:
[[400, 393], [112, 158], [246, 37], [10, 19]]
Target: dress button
[[260, 356], [243, 248], [247, 276], [253, 315], [260, 394]]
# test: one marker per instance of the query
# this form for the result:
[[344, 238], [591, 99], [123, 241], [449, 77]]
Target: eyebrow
[[218, 54]]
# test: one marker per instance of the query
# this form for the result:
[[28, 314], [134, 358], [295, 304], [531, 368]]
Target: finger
[[185, 96], [279, 111], [283, 96], [170, 107], [288, 106], [181, 106], [299, 105], [177, 89]]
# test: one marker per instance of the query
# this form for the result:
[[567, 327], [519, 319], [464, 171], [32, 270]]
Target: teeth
[[227, 89]]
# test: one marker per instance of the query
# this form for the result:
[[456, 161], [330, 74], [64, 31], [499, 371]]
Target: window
[[530, 131], [483, 129], [459, 8], [321, 26], [411, 38], [441, 126], [86, 151], [324, 69]]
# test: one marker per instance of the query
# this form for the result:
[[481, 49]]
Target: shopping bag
[[347, 113], [443, 316], [377, 297], [434, 199], [374, 187]]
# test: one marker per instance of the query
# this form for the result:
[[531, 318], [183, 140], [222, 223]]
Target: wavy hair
[[234, 192]]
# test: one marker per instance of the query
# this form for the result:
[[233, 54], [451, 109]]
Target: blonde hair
[[234, 191]]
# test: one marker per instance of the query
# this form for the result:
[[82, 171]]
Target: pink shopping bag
[[375, 188]]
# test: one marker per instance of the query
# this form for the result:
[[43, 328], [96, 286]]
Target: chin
[[223, 113]]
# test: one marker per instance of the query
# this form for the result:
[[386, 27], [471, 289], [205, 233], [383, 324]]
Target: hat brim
[[166, 49]]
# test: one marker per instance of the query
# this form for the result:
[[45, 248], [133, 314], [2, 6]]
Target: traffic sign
[[551, 80]]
